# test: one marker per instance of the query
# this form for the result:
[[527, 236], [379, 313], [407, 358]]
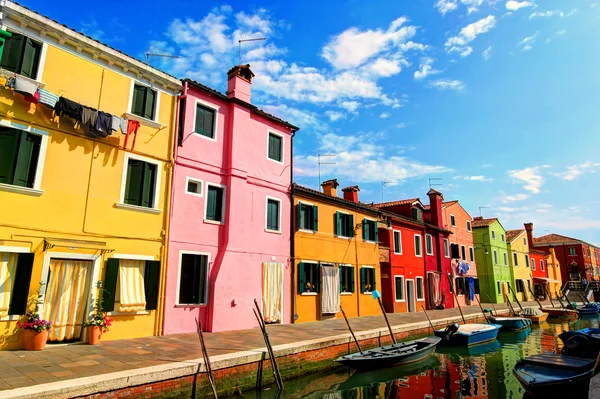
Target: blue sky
[[499, 99]]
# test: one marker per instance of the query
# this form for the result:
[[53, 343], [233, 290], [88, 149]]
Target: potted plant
[[35, 330], [99, 322]]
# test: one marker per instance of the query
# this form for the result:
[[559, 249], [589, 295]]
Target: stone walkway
[[64, 362]]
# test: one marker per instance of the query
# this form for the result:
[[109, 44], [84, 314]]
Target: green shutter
[[133, 186], [315, 221], [151, 279], [199, 123], [149, 181], [11, 56], [338, 224], [111, 272], [373, 280], [149, 103], [341, 268], [376, 232], [29, 149], [299, 213], [31, 55], [363, 277], [9, 139], [317, 276], [137, 107], [301, 278], [20, 293], [209, 117], [211, 205], [365, 229], [274, 147], [352, 279]]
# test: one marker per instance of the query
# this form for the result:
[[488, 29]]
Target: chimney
[[239, 80], [435, 205], [329, 187], [351, 193], [529, 230], [478, 218]]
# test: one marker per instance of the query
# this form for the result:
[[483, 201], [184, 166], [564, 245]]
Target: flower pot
[[94, 334], [33, 340]]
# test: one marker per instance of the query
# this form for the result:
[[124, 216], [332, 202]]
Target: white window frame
[[200, 183], [574, 251], [471, 254], [495, 257], [532, 260], [446, 248], [307, 204], [340, 265], [278, 216], [156, 206], [503, 237], [400, 241], [223, 207], [452, 217], [312, 262], [130, 115], [269, 132], [417, 278], [208, 264], [469, 229], [374, 277], [39, 170], [401, 276], [430, 237], [420, 245], [215, 122], [493, 235], [130, 257], [334, 227], [42, 61]]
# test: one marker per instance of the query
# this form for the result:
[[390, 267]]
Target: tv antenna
[[383, 185], [482, 207], [148, 55], [319, 156], [434, 179], [244, 41]]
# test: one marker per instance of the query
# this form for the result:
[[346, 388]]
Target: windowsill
[[346, 293], [137, 208], [370, 242], [39, 84], [420, 300], [273, 231], [368, 293], [143, 120], [192, 305], [13, 317], [343, 237], [194, 194], [307, 231], [397, 253], [205, 137], [213, 222], [119, 313], [276, 161], [429, 254], [401, 300], [309, 294], [20, 190]]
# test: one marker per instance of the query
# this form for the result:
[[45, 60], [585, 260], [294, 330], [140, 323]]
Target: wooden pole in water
[[561, 302], [515, 295], [428, 319], [456, 298], [386, 320], [549, 296], [261, 323], [534, 297], [206, 358], [482, 311], [351, 332], [492, 303]]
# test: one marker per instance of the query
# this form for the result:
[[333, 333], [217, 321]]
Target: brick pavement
[[64, 362]]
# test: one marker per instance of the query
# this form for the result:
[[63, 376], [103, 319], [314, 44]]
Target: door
[[272, 298], [67, 296], [330, 289], [410, 295]]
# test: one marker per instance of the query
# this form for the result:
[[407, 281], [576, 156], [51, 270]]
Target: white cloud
[[513, 5], [299, 117], [487, 53], [487, 165], [469, 33], [527, 43], [552, 13], [575, 171], [334, 115], [531, 177], [425, 69], [513, 198], [447, 84], [351, 106], [512, 209], [479, 178], [445, 6], [384, 115], [400, 125]]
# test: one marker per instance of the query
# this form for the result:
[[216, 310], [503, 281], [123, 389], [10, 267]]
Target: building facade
[[520, 264], [336, 254], [539, 272], [82, 202], [230, 218]]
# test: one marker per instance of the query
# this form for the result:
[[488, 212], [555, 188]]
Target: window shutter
[[376, 232], [111, 273], [301, 278], [363, 278], [373, 280], [29, 149], [365, 229], [352, 279], [315, 216], [199, 123], [11, 56], [148, 185], [149, 103], [137, 106], [317, 277], [299, 213], [203, 282], [181, 124], [9, 139], [208, 127], [31, 55], [20, 294], [151, 278], [338, 224], [351, 226], [341, 278], [133, 186]]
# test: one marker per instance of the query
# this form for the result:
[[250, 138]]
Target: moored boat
[[535, 315], [468, 334], [511, 323], [581, 343], [566, 314], [589, 309], [389, 355]]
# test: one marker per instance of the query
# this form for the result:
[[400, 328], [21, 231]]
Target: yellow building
[[78, 207], [335, 254], [520, 265], [554, 278]]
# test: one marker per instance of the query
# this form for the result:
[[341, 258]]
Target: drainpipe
[[292, 230]]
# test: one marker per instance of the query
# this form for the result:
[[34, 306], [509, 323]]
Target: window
[[123, 279], [19, 156], [399, 282], [428, 244], [15, 269], [140, 184], [370, 232], [498, 287], [541, 264], [520, 285], [346, 278], [468, 225], [367, 279], [344, 224], [502, 237], [215, 200], [420, 292], [275, 147], [463, 252], [417, 214], [505, 259], [204, 123], [397, 242], [515, 259], [495, 257], [144, 101], [194, 186], [308, 278], [526, 260], [572, 251], [446, 248], [460, 286], [452, 220], [471, 254], [476, 281], [533, 264], [193, 279], [308, 217], [21, 55], [524, 241], [418, 245], [493, 235], [273, 214]]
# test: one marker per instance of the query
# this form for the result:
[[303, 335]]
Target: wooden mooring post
[[206, 359], [263, 328]]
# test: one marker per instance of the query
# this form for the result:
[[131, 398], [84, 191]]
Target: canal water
[[482, 371]]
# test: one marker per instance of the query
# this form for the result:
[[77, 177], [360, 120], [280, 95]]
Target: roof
[[409, 201], [538, 252], [555, 239], [298, 188], [445, 203], [511, 235], [481, 222]]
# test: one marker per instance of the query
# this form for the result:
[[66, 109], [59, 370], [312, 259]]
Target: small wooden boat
[[511, 323], [535, 315], [552, 376], [566, 314], [468, 334], [466, 351], [389, 355], [581, 343], [593, 333], [589, 309]]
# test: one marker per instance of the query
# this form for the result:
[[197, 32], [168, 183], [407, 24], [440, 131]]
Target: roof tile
[[511, 235]]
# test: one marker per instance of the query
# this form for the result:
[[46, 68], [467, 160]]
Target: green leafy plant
[[99, 318], [32, 317]]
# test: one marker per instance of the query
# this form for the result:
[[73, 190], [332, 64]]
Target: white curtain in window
[[330, 291], [132, 295], [272, 291], [8, 270], [67, 295], [435, 295]]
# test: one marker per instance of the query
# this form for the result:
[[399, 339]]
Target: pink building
[[229, 240]]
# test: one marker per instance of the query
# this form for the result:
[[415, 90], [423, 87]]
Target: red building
[[539, 271]]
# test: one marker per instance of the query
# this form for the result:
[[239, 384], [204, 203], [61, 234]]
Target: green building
[[491, 256]]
